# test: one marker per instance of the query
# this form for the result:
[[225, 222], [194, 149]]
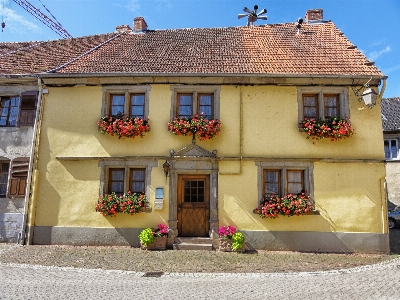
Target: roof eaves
[[271, 75]]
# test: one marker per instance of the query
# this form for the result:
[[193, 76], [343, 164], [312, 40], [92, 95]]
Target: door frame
[[182, 205], [192, 165]]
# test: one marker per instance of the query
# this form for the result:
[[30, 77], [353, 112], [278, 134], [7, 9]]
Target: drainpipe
[[240, 138], [25, 238]]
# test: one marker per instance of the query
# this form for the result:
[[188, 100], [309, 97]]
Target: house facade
[[257, 84], [391, 133], [19, 123]]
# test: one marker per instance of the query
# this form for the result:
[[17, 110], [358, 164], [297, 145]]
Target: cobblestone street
[[379, 281]]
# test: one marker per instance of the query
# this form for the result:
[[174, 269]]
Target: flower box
[[159, 243], [123, 126], [225, 245], [333, 128], [196, 126]]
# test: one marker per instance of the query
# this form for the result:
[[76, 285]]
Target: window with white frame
[[281, 179], [121, 176], [126, 100], [317, 102], [391, 149], [188, 101]]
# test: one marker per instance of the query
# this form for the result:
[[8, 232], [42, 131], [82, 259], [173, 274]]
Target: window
[[391, 148], [133, 108], [9, 111], [327, 102], [130, 101], [188, 106], [4, 169], [18, 110], [120, 176], [189, 101], [281, 179], [277, 182], [18, 177], [13, 177], [137, 182]]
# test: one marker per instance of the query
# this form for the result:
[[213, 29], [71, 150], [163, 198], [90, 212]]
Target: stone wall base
[[336, 242]]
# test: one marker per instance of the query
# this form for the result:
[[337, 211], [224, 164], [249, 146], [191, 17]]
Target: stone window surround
[[343, 93], [127, 164], [307, 167], [195, 90], [393, 137], [127, 90]]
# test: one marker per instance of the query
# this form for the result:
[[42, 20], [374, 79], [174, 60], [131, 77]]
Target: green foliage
[[146, 236], [237, 241]]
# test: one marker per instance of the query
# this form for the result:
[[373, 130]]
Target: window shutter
[[18, 177], [27, 108]]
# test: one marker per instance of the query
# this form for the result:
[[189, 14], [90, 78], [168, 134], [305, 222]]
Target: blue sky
[[372, 25]]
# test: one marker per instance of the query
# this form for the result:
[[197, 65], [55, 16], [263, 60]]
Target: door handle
[[179, 207]]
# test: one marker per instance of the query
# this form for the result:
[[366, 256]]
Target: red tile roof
[[39, 57], [319, 49]]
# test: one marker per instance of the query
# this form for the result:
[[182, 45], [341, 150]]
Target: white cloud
[[14, 21], [373, 56], [134, 5]]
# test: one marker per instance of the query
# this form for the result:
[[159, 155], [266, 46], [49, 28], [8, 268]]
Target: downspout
[[24, 237], [382, 89], [240, 137]]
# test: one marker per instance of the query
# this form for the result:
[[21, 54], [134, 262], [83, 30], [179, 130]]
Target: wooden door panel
[[193, 205]]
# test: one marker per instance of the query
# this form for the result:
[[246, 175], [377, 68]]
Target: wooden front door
[[193, 205]]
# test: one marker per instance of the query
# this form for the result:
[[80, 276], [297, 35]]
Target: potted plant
[[154, 238], [123, 126], [196, 126], [333, 128], [129, 203], [230, 239], [288, 205]]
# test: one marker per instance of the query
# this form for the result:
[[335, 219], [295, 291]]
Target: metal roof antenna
[[298, 24], [252, 16]]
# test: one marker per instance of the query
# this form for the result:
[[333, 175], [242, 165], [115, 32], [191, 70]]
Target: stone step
[[188, 246], [193, 243]]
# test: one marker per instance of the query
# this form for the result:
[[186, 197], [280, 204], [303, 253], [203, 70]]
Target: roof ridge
[[84, 54], [22, 48]]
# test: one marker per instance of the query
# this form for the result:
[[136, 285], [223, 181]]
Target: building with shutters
[[254, 86]]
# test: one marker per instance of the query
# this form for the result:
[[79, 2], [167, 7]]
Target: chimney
[[139, 25], [122, 28], [314, 15]]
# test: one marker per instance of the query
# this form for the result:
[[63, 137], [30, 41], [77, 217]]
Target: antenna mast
[[57, 28]]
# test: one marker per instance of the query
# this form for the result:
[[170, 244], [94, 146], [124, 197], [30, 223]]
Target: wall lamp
[[166, 168]]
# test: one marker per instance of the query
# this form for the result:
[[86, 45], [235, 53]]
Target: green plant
[[146, 236], [237, 241], [129, 203]]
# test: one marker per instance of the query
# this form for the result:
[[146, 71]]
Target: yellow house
[[260, 82]]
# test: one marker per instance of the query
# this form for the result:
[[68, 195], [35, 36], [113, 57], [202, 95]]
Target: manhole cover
[[153, 274]]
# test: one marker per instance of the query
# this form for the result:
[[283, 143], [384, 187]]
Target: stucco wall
[[348, 174]]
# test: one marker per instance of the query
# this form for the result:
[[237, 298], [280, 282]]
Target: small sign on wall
[[159, 199]]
